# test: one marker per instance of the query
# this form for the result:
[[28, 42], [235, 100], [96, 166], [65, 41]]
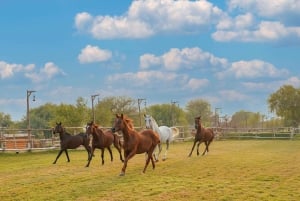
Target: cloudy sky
[[233, 54]]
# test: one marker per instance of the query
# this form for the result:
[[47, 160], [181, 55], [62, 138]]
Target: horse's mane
[[129, 122]]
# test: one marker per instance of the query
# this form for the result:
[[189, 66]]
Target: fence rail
[[43, 139]]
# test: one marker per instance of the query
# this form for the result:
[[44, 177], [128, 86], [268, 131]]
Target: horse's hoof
[[122, 174], [164, 159]]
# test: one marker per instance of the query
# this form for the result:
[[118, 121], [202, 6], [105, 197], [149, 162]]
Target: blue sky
[[233, 54]]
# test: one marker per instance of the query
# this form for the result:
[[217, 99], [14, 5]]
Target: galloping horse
[[101, 140], [166, 134], [135, 142], [68, 141], [205, 135]]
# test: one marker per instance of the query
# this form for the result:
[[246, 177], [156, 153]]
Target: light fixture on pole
[[29, 92], [93, 98]]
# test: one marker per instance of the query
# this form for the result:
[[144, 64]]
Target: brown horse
[[135, 142], [102, 140], [205, 135], [68, 141]]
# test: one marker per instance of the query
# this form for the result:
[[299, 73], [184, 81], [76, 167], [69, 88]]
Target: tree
[[167, 114], [5, 120], [245, 119], [106, 109], [285, 102], [198, 107]]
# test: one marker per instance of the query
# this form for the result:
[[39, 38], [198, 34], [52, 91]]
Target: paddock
[[233, 170]]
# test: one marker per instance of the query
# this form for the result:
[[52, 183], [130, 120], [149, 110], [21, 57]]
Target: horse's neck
[[63, 134], [97, 134], [127, 131], [154, 125]]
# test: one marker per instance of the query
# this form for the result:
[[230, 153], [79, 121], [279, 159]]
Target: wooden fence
[[43, 139]]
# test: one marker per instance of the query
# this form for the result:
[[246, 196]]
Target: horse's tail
[[175, 131]]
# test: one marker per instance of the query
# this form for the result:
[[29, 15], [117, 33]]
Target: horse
[[135, 142], [166, 135], [68, 141], [205, 135], [101, 140]]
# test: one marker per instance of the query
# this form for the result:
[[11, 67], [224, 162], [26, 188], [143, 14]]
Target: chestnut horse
[[135, 142], [68, 141], [205, 135], [101, 140]]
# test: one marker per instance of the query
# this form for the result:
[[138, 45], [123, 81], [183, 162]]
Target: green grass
[[233, 170]]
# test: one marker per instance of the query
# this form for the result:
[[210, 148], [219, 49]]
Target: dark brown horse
[[68, 141], [101, 140], [205, 135], [135, 142]]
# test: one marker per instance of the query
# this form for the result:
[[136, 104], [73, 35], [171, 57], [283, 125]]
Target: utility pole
[[217, 116], [29, 92], [93, 98], [139, 104], [172, 111]]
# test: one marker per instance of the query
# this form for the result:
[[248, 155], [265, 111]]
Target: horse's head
[[91, 128], [58, 128], [121, 122], [148, 121], [118, 123], [197, 122]]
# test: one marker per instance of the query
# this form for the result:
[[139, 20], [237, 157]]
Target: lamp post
[[217, 116], [173, 103], [139, 104], [93, 98], [29, 92]]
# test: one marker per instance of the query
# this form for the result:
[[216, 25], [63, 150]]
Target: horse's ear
[[122, 115], [60, 123]]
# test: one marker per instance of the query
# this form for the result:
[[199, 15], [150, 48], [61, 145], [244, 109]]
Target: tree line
[[285, 103]]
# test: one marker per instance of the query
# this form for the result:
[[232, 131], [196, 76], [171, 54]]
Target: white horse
[[166, 135]]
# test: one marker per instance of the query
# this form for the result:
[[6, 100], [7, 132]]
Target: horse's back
[[165, 133], [149, 134]]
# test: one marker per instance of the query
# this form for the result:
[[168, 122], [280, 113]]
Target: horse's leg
[[198, 147], [152, 161], [206, 148], [88, 149], [150, 157], [66, 151], [102, 155], [128, 155], [119, 148], [193, 148], [167, 148], [147, 162], [58, 155], [111, 155], [90, 156]]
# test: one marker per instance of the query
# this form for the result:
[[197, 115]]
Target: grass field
[[233, 170]]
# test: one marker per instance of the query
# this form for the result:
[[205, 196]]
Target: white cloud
[[267, 8], [46, 73], [187, 58], [232, 95], [195, 84], [83, 20], [8, 70], [275, 21], [252, 69], [91, 54], [144, 77], [149, 17], [148, 60]]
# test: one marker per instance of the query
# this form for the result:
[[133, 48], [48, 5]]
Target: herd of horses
[[131, 141]]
